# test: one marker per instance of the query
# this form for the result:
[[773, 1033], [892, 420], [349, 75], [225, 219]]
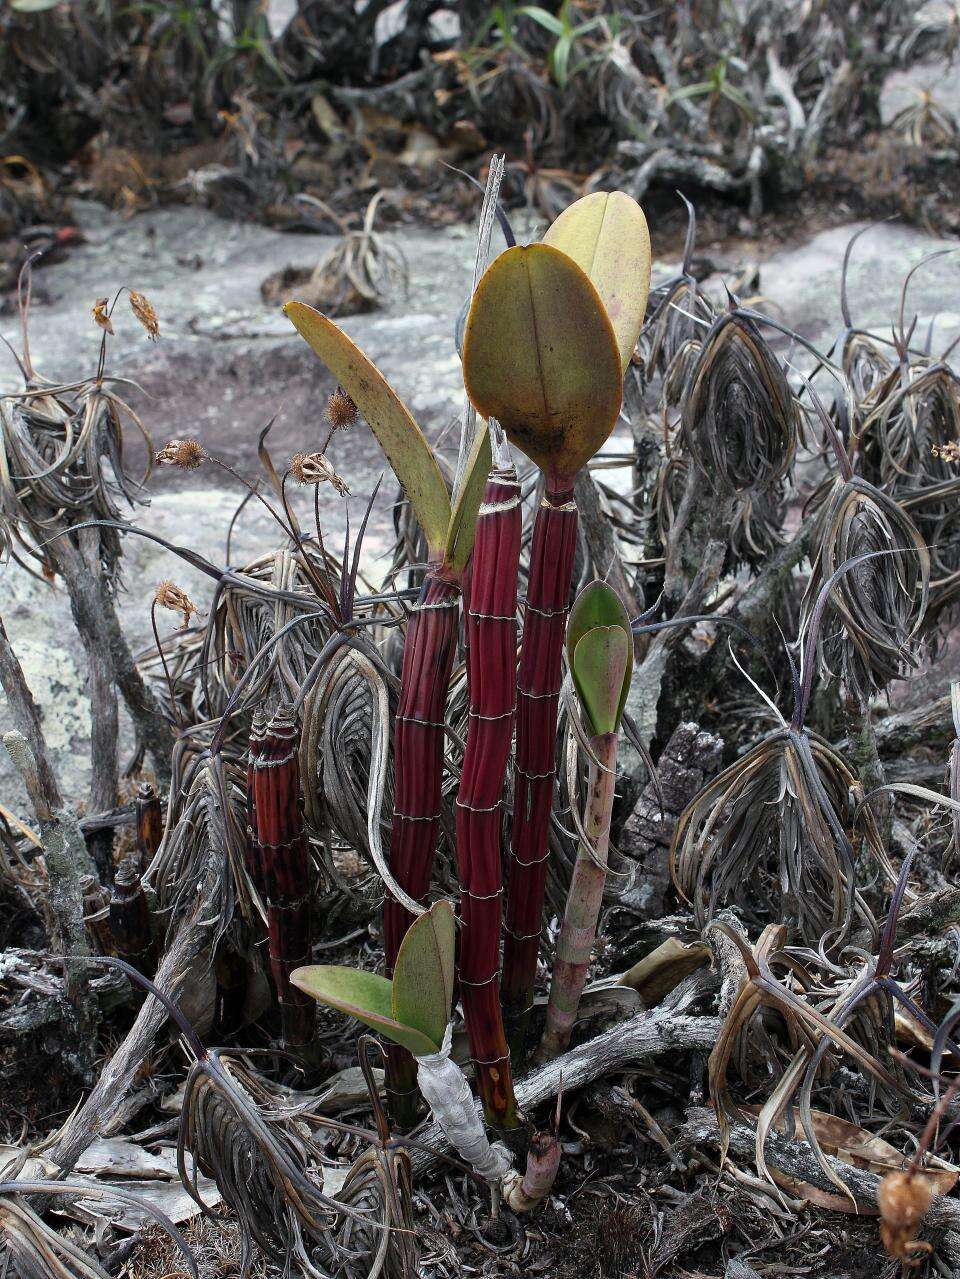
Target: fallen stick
[[666, 1028], [797, 1160], [120, 1072]]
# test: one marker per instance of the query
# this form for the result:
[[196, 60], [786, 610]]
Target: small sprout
[[313, 468], [903, 1198], [169, 595], [143, 310], [341, 411], [187, 454], [101, 316]]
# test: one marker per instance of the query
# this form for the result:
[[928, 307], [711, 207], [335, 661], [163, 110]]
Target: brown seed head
[[143, 310], [187, 454], [173, 597], [341, 411], [950, 452], [903, 1198], [313, 468], [100, 316]]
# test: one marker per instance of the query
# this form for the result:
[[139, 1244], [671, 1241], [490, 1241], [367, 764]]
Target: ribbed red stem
[[538, 695], [491, 626], [251, 846], [285, 867], [418, 777]]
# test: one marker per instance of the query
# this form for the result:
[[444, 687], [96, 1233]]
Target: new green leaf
[[599, 605], [366, 996], [599, 665], [423, 973]]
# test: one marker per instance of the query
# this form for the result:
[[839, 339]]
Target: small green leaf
[[388, 417], [423, 973], [599, 605], [600, 662], [540, 355], [366, 996], [543, 17], [33, 6], [606, 235], [463, 521]]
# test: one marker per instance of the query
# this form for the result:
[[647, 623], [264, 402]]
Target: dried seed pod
[[903, 1198], [313, 468], [100, 316], [170, 596], [142, 308], [340, 411], [880, 604], [186, 454], [739, 418]]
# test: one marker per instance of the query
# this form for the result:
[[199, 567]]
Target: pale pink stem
[[579, 929]]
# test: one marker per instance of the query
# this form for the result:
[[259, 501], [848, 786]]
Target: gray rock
[[802, 284]]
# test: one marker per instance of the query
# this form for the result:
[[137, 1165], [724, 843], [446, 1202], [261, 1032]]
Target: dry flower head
[[950, 452], [903, 1198], [341, 411], [187, 454], [100, 315], [143, 310], [175, 598], [313, 468]]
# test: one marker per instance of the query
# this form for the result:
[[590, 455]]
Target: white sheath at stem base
[[448, 1095]]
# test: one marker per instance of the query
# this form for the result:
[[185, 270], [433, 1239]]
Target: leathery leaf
[[606, 235], [366, 996], [423, 973], [541, 356]]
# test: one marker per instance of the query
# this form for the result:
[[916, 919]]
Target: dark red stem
[[491, 626], [285, 868], [418, 776], [251, 846], [538, 696]]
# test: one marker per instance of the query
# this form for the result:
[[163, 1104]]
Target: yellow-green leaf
[[540, 355], [463, 521], [598, 604], [366, 996], [423, 973], [599, 665], [606, 235], [387, 416]]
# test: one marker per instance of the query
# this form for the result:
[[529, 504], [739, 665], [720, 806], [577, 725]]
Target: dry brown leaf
[[654, 976]]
